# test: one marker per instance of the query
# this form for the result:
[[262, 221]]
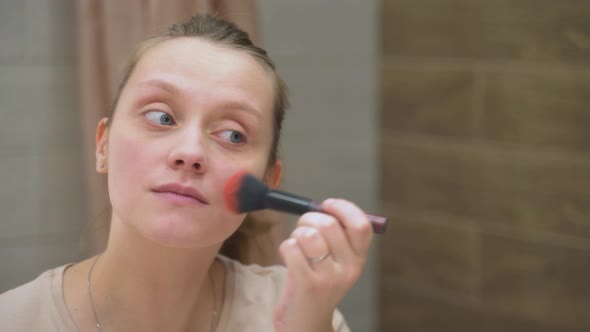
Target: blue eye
[[233, 136], [159, 117]]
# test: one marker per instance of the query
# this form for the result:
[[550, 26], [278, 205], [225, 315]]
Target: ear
[[276, 174], [102, 135]]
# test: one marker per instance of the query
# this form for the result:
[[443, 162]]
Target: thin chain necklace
[[97, 321]]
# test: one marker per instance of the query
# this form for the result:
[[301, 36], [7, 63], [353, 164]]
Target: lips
[[172, 189]]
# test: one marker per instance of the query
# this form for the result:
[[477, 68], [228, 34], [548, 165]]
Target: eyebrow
[[230, 104], [227, 104], [162, 85]]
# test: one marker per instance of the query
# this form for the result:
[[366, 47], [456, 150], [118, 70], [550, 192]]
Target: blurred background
[[464, 121]]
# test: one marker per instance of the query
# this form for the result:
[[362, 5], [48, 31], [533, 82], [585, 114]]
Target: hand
[[325, 256]]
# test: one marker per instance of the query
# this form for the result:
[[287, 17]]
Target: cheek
[[254, 161], [127, 160], [226, 165]]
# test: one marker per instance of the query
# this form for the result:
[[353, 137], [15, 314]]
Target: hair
[[224, 33]]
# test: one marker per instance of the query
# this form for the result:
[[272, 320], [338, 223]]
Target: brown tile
[[426, 101], [430, 255], [430, 178], [487, 186], [542, 282], [544, 110], [402, 310], [536, 194], [534, 30]]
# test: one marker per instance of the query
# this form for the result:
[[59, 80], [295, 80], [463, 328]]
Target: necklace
[[97, 321]]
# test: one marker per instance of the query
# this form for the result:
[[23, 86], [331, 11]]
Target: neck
[[140, 285]]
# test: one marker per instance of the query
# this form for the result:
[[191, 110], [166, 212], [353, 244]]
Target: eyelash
[[160, 118], [163, 114], [242, 136]]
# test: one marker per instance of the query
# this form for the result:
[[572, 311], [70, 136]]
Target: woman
[[196, 105]]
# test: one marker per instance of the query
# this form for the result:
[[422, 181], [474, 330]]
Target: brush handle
[[378, 223], [287, 202]]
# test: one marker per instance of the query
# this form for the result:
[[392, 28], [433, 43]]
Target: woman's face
[[191, 115]]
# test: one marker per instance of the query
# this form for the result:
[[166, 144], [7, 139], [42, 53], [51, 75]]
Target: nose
[[189, 153]]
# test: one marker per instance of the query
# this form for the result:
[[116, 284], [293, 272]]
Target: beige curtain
[[109, 31]]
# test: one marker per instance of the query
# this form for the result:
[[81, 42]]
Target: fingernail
[[361, 222], [326, 222], [309, 232], [297, 232], [329, 201], [291, 242]]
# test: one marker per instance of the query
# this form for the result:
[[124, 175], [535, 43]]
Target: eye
[[232, 136], [160, 118]]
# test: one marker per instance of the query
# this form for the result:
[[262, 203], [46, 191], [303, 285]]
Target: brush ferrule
[[289, 203]]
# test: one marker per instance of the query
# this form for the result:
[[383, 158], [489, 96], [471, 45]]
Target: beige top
[[251, 292]]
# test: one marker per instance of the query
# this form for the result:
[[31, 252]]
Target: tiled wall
[[41, 206], [485, 162]]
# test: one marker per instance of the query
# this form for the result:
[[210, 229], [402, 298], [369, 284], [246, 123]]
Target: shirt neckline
[[62, 311], [57, 292]]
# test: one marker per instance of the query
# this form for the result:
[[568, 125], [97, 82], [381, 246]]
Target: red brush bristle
[[230, 191]]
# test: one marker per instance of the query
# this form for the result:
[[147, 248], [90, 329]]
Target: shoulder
[[33, 299], [29, 295]]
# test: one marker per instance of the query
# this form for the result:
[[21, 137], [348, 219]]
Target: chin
[[180, 233]]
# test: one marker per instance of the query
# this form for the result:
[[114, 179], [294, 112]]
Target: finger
[[295, 260], [313, 245], [356, 225], [333, 233]]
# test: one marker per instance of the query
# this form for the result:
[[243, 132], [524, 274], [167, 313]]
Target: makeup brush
[[243, 193]]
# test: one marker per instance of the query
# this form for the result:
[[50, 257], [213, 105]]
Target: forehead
[[202, 68]]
